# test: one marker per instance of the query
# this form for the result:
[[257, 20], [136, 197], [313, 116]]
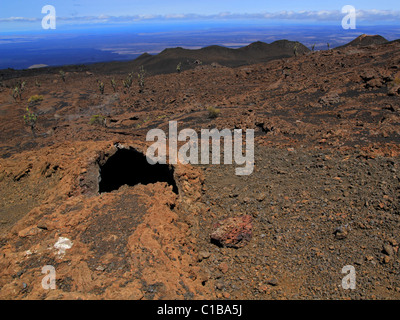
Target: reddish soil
[[324, 193]]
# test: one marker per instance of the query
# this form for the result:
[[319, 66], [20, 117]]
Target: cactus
[[128, 82], [62, 75], [295, 50], [141, 76], [15, 93], [18, 89], [101, 87], [22, 87], [30, 120], [113, 84]]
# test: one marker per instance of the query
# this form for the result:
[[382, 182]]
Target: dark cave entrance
[[130, 167]]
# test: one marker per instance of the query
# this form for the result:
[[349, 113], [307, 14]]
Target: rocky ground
[[324, 193]]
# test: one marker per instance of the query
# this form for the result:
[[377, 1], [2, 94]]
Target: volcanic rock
[[233, 232], [318, 166]]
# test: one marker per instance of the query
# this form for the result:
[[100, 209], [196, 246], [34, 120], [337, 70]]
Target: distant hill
[[167, 60], [365, 40]]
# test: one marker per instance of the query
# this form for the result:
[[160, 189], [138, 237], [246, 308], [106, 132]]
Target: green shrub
[[33, 100], [98, 120], [213, 112]]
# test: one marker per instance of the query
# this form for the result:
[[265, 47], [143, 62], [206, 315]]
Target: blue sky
[[21, 15], [29, 8]]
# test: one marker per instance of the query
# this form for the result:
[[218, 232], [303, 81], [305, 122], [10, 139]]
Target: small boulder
[[341, 232], [388, 249], [330, 99], [374, 83], [233, 232]]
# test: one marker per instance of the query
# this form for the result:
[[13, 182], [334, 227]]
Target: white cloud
[[323, 15], [19, 19]]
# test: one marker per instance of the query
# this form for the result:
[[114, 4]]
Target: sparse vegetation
[[178, 67], [33, 100], [393, 86], [128, 81], [146, 120], [22, 86], [62, 75], [394, 83], [101, 87], [276, 177], [313, 47], [329, 46], [113, 84], [295, 50], [98, 120], [141, 75], [213, 112], [37, 84], [18, 89], [15, 93], [30, 120]]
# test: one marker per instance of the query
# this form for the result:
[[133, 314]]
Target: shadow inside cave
[[130, 167]]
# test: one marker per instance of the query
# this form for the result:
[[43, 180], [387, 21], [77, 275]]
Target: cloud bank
[[317, 16]]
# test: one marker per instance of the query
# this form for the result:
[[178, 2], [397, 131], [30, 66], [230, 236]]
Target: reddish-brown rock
[[233, 232]]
